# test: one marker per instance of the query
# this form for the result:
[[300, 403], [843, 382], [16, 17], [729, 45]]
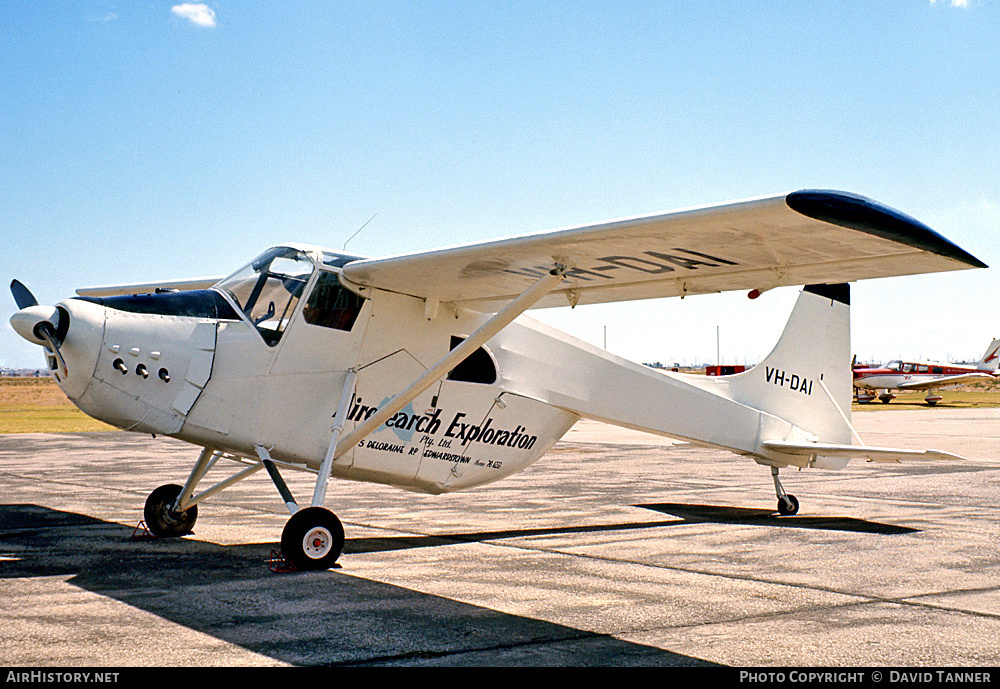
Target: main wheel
[[783, 508], [312, 539], [160, 516]]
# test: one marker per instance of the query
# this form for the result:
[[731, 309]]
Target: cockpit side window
[[331, 305], [269, 289]]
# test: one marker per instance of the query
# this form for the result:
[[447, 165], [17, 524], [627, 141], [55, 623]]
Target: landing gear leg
[[787, 504], [171, 510], [313, 537]]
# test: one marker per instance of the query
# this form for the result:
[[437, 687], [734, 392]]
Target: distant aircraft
[[420, 371], [922, 375]]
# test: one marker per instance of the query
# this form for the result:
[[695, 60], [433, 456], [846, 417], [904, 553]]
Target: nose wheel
[[312, 539], [161, 517]]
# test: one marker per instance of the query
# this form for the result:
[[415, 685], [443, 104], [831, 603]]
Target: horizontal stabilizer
[[870, 454]]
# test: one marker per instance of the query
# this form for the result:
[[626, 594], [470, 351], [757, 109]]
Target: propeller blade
[[22, 295], [44, 329]]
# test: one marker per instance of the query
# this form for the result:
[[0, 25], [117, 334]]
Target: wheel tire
[[160, 518], [784, 510], [312, 539]]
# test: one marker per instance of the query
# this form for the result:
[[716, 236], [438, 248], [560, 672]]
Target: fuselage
[[260, 359], [257, 365]]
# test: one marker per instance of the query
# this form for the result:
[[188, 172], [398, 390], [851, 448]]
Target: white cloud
[[953, 3], [198, 14]]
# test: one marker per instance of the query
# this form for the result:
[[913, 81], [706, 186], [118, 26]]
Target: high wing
[[147, 287], [805, 237], [944, 381]]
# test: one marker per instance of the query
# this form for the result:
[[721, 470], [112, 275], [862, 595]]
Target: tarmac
[[615, 549]]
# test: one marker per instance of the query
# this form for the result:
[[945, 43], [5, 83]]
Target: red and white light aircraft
[[420, 370], [922, 375]]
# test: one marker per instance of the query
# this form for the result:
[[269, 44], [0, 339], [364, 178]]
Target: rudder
[[806, 379], [991, 358]]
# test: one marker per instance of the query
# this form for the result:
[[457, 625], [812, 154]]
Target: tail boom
[[792, 409]]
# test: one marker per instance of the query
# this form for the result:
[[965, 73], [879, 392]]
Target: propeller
[[36, 320], [22, 295]]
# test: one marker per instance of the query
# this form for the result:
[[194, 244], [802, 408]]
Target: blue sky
[[158, 140]]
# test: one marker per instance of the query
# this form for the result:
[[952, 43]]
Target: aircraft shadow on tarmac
[[701, 514], [306, 618], [685, 513]]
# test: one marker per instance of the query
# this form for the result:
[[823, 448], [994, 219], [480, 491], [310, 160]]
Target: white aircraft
[[922, 375], [420, 370]]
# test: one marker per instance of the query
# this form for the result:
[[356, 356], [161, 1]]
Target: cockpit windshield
[[269, 288], [895, 365]]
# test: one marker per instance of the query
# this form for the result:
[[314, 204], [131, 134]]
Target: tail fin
[[991, 358], [806, 379]]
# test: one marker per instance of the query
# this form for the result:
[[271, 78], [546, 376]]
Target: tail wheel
[[159, 514], [312, 539], [788, 508]]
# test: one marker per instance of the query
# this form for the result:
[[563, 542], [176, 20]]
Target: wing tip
[[864, 215]]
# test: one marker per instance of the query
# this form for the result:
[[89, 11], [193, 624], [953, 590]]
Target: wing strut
[[319, 493], [495, 324]]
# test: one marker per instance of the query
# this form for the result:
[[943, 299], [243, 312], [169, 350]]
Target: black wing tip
[[865, 215], [840, 292]]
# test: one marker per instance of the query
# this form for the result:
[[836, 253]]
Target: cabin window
[[478, 367], [937, 370], [338, 260], [331, 305], [268, 290]]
